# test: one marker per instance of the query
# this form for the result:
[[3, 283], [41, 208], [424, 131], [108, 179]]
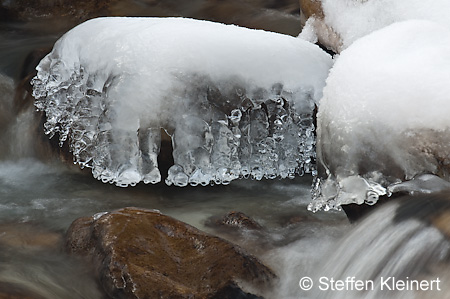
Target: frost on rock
[[236, 102], [383, 120]]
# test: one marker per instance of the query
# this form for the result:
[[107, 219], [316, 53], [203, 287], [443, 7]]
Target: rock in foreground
[[143, 254]]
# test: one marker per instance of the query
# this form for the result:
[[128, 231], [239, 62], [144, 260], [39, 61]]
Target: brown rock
[[311, 10], [143, 254], [294, 220], [234, 220], [442, 222]]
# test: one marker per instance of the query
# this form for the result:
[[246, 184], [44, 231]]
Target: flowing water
[[40, 196]]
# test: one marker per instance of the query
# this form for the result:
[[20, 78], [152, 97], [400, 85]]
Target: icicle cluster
[[236, 102], [264, 137]]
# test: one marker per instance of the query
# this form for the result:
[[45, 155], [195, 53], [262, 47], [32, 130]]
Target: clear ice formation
[[236, 102], [383, 120]]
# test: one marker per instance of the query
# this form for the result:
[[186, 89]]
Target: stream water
[[42, 199], [40, 196]]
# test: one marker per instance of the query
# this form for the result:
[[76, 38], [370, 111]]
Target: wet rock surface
[[311, 8], [141, 253], [234, 220], [259, 238]]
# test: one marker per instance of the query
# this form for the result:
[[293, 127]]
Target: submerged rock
[[141, 253], [234, 220], [28, 236]]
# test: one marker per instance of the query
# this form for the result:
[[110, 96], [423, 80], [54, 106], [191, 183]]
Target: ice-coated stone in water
[[424, 183], [237, 102], [384, 116]]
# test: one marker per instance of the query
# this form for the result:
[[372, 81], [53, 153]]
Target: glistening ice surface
[[236, 102]]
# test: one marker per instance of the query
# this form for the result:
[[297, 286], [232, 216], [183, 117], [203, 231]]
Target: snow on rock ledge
[[338, 23], [384, 116], [237, 102]]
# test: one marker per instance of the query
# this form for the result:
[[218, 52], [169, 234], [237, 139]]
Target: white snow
[[384, 116], [353, 19], [236, 101], [308, 32]]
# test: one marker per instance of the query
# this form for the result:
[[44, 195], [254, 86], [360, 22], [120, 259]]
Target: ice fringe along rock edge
[[383, 124], [236, 102]]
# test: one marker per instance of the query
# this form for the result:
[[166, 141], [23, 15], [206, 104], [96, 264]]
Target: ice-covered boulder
[[338, 23], [236, 102], [383, 118]]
